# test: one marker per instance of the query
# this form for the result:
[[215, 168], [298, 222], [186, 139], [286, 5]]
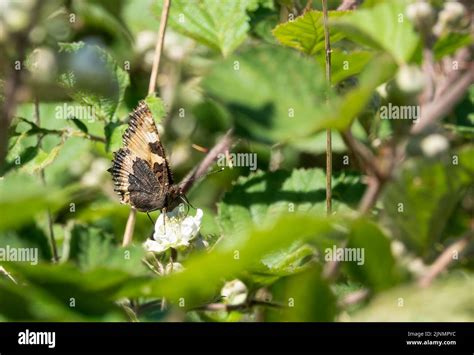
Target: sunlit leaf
[[219, 24], [384, 27], [306, 32]]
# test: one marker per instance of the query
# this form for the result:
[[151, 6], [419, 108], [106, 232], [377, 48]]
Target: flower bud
[[449, 18], [234, 292], [42, 64], [410, 80], [434, 145], [173, 267], [15, 19], [421, 14]]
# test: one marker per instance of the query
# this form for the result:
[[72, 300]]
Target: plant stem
[[445, 259], [440, 107], [159, 46], [327, 45], [129, 227], [348, 5]]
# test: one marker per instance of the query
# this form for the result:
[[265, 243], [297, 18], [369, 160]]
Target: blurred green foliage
[[257, 66]]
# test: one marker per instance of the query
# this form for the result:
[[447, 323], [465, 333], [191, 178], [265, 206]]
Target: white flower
[[410, 79], [174, 231]]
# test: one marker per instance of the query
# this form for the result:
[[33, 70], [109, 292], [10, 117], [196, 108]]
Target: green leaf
[[22, 197], [72, 47], [42, 159], [450, 300], [283, 103], [345, 109], [346, 64], [79, 124], [28, 236], [382, 27], [285, 106], [306, 32], [289, 261], [377, 269], [91, 248], [46, 293], [113, 134], [157, 107], [450, 42], [219, 24], [260, 197], [305, 297], [420, 201]]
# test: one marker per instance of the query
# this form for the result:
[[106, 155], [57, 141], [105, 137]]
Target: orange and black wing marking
[[140, 170]]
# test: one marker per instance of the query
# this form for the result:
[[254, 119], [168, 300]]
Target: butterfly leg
[[163, 211]]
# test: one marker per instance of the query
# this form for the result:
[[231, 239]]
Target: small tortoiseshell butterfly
[[140, 170]]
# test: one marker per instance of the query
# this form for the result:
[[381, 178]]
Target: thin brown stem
[[445, 259], [441, 106], [327, 45], [354, 298], [370, 197], [364, 155], [159, 46], [129, 227], [308, 6], [348, 5]]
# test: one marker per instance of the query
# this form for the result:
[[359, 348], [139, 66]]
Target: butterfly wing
[[140, 170], [142, 138]]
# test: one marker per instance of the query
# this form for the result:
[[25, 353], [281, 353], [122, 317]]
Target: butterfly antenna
[[186, 201], [183, 196]]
